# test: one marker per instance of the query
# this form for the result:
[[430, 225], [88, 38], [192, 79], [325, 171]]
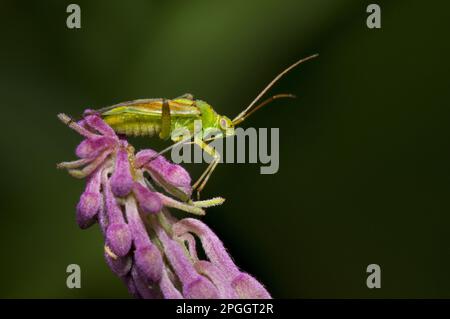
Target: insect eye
[[223, 124]]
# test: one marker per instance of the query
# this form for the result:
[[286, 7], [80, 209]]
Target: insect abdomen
[[132, 125]]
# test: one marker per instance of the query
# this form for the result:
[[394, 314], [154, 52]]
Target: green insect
[[161, 117]]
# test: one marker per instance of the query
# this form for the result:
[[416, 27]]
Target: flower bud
[[141, 285], [132, 289], [248, 287], [149, 261], [167, 288], [218, 278], [119, 265], [149, 201], [118, 238], [92, 147], [212, 245], [96, 122], [194, 285], [172, 177], [200, 288], [90, 202], [121, 180]]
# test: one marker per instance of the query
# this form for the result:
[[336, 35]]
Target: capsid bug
[[160, 117]]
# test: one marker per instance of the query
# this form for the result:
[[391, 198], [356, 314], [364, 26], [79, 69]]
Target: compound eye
[[223, 124]]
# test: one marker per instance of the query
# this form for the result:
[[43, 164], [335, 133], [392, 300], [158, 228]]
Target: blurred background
[[364, 151]]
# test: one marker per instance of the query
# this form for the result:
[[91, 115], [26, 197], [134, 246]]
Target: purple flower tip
[[132, 289], [119, 239], [248, 287], [119, 265], [143, 157], [87, 208], [177, 175], [88, 112], [149, 202], [200, 288], [144, 289], [121, 180], [95, 122], [156, 262], [149, 261], [174, 178], [92, 147]]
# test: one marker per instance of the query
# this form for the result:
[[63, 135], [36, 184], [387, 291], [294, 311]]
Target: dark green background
[[364, 151]]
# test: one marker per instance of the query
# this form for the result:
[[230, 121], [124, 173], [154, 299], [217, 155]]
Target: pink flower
[[154, 253]]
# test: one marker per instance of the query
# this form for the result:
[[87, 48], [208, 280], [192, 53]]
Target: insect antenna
[[260, 105], [252, 108]]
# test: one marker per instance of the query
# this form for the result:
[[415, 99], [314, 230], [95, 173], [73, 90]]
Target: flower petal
[[149, 261], [218, 278], [142, 287], [129, 282], [147, 256], [194, 285], [90, 201], [96, 122], [92, 166], [149, 201], [248, 287], [92, 147], [137, 227], [119, 265], [167, 288], [172, 177], [212, 245], [118, 238], [121, 179], [200, 288]]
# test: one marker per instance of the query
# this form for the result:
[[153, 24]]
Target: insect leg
[[204, 147], [192, 207], [165, 120], [203, 179]]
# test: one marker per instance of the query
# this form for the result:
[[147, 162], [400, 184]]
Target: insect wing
[[153, 107]]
